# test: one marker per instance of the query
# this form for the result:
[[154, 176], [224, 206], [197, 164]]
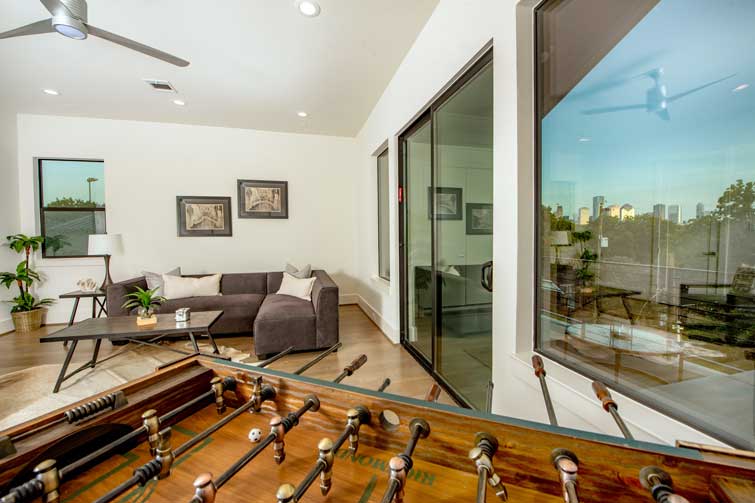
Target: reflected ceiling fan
[[657, 99], [69, 18]]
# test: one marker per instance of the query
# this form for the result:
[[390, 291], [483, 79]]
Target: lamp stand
[[108, 280]]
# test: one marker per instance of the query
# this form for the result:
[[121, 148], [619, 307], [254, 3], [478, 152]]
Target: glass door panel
[[418, 240], [463, 189]]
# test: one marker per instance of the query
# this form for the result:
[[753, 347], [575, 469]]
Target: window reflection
[[647, 204]]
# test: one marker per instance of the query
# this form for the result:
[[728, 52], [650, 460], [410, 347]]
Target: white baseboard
[[388, 330], [348, 298], [6, 326]]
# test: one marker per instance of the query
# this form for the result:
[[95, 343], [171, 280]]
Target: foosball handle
[[218, 388], [204, 489], [537, 364], [355, 365], [603, 395], [433, 393], [660, 485]]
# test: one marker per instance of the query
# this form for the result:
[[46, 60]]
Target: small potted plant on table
[[587, 257], [27, 312], [145, 301]]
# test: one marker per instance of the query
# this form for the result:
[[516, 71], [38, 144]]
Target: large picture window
[[384, 236], [646, 217], [72, 205]]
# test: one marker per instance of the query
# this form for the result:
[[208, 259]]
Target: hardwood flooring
[[358, 334]]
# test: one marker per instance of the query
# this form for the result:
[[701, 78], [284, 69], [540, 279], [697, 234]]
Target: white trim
[[381, 281], [388, 330], [348, 298], [6, 326]]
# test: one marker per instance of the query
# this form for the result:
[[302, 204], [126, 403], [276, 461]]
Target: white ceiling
[[254, 63]]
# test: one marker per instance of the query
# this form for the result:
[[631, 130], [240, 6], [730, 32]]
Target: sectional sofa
[[251, 306]]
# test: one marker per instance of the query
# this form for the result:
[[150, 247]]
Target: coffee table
[[124, 328]]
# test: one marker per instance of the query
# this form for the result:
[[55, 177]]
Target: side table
[[98, 306]]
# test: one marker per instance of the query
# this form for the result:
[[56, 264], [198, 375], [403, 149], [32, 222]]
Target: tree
[[736, 202]]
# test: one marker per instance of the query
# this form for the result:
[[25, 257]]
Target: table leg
[[194, 342], [96, 352], [73, 313], [103, 309], [626, 308], [66, 362], [212, 342]]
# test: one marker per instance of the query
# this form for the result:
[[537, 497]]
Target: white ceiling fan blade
[[131, 44], [43, 26]]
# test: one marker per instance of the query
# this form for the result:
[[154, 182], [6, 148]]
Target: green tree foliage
[[70, 202]]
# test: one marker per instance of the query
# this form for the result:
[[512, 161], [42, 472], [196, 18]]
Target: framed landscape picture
[[479, 218], [262, 199], [447, 202], [204, 216]]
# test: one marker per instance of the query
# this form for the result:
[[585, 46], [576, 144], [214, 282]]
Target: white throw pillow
[[176, 287], [295, 287], [155, 279]]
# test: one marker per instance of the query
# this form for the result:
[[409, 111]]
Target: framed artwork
[[479, 218], [447, 202], [204, 216], [262, 199]]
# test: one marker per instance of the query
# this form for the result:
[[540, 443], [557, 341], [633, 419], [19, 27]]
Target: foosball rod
[[79, 413], [327, 449], [433, 393], [401, 465], [567, 465], [150, 425], [537, 364], [482, 454], [660, 485], [275, 358], [610, 406], [317, 359], [386, 383]]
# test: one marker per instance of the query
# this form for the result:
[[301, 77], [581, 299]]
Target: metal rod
[[181, 449], [351, 368], [393, 487], [482, 481], [385, 384], [571, 492], [317, 359], [537, 364], [401, 465], [602, 393], [489, 397], [242, 462], [311, 477], [275, 357]]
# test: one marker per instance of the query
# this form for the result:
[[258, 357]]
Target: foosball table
[[206, 430]]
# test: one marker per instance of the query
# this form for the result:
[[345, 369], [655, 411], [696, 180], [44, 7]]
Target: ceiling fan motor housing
[[78, 8]]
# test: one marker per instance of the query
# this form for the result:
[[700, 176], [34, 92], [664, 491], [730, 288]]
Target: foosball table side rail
[[163, 390], [608, 465]]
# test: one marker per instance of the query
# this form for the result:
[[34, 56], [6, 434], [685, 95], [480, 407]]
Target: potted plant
[[27, 311], [145, 301], [586, 258]]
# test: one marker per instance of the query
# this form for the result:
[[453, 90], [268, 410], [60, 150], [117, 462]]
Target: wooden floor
[[357, 333]]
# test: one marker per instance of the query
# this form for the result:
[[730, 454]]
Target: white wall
[[148, 164], [8, 207], [455, 33]]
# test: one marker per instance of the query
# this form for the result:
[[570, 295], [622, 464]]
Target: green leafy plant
[[143, 299], [587, 257], [24, 277]]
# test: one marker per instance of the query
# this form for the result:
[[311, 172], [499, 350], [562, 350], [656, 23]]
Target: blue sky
[[69, 179], [636, 157]]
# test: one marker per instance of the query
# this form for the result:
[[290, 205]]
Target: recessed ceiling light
[[584, 139], [51, 92], [180, 103], [309, 8], [740, 87], [302, 114]]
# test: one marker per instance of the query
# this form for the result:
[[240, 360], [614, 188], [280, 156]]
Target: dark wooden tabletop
[[82, 293], [120, 327]]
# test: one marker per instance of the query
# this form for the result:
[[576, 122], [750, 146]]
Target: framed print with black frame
[[262, 199], [479, 218], [447, 202], [204, 216]]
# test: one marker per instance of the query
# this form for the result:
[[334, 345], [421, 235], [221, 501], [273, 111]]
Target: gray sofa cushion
[[239, 310], [285, 321], [255, 282]]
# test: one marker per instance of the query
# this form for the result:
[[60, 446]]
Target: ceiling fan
[[657, 100], [69, 18]]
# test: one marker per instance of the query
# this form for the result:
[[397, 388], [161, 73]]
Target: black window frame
[[383, 152], [42, 208]]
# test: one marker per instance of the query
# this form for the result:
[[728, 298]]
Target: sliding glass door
[[447, 236]]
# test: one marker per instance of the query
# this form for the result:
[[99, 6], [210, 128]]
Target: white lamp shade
[[105, 244]]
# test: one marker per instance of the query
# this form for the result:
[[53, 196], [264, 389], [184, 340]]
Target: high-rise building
[[699, 210], [659, 211], [627, 211], [675, 214], [583, 217], [613, 211], [597, 203], [559, 211]]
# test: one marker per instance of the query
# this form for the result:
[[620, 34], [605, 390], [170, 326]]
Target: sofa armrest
[[115, 295], [325, 303]]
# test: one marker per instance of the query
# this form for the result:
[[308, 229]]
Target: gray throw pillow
[[304, 272], [155, 280]]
